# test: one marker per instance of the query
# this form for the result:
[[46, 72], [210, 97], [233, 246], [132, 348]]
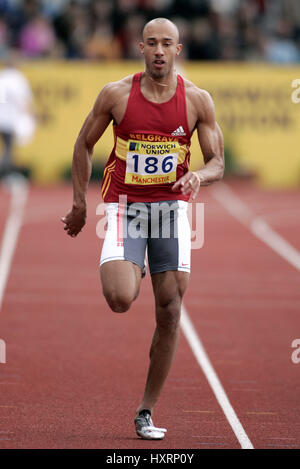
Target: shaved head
[[169, 27]]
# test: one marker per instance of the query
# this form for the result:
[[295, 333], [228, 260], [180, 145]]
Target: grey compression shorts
[[160, 227]]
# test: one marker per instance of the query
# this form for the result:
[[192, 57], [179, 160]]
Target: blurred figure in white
[[17, 122]]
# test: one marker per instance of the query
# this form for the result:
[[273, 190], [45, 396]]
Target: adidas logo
[[178, 131]]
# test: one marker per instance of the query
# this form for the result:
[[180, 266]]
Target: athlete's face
[[160, 48]]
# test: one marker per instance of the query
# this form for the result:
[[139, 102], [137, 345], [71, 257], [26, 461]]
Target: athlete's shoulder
[[193, 92], [112, 93], [200, 99], [116, 88]]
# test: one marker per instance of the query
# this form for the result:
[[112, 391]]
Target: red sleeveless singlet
[[151, 148]]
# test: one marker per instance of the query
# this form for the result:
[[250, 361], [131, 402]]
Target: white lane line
[[265, 233], [213, 380], [257, 225], [18, 188]]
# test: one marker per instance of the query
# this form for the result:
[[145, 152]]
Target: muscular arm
[[94, 126], [211, 142], [92, 129]]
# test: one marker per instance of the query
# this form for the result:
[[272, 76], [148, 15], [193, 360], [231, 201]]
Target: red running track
[[75, 371]]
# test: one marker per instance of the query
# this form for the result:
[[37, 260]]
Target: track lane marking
[[18, 188], [213, 380]]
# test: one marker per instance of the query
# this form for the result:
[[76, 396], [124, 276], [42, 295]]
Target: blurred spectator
[[102, 44], [204, 42], [37, 38], [281, 48], [16, 113]]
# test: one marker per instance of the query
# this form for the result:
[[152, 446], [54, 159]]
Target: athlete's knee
[[168, 316], [119, 302]]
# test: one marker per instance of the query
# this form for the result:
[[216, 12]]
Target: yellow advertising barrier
[[253, 103]]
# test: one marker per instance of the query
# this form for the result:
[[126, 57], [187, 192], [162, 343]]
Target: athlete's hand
[[74, 221], [188, 184]]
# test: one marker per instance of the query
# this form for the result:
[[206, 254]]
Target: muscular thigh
[[120, 277]]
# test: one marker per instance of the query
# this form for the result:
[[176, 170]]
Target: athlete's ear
[[178, 49], [142, 47]]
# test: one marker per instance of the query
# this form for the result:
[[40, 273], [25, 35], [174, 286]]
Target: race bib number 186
[[151, 162]]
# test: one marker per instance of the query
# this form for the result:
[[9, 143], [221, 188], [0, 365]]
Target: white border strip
[[18, 188], [213, 380], [257, 225]]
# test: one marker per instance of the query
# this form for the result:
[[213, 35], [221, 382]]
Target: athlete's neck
[[160, 85]]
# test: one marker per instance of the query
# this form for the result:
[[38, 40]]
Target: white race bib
[[151, 162]]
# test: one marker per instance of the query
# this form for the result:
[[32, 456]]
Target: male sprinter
[[154, 114]]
